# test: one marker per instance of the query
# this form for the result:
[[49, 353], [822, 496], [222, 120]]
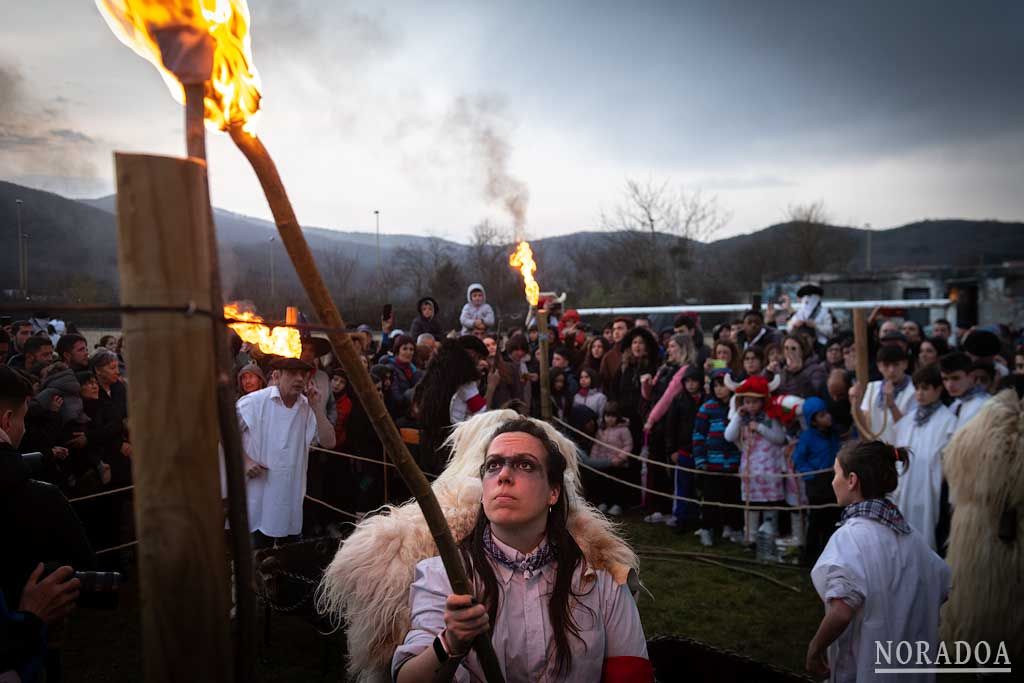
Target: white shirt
[[880, 414], [278, 438], [966, 410], [811, 308], [466, 402], [919, 488], [606, 614], [894, 583]]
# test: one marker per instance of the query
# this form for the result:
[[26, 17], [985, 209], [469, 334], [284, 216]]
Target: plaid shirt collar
[[882, 510]]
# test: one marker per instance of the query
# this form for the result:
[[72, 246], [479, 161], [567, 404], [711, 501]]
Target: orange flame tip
[[232, 95], [522, 259], [279, 341]]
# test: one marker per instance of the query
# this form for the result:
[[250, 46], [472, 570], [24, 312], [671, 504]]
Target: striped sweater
[[711, 450]]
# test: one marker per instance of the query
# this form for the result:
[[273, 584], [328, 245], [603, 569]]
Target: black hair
[[14, 388], [939, 343], [33, 344], [400, 341], [684, 320], [874, 463], [755, 312], [890, 353], [985, 366], [451, 368], [563, 352], [4, 337], [756, 351], [942, 321], [567, 553], [958, 361], [517, 342], [67, 342], [928, 376], [594, 375]]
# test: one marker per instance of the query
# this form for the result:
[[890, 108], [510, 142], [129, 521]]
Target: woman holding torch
[[551, 616]]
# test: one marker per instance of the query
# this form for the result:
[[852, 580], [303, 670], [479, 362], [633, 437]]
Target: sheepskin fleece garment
[[367, 584], [984, 465]]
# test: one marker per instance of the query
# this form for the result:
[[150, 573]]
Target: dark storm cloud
[[726, 80]]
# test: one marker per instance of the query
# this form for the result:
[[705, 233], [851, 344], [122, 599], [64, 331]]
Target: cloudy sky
[[888, 112]]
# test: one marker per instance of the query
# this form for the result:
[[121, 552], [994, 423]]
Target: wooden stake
[[227, 417], [162, 214], [302, 259], [545, 379]]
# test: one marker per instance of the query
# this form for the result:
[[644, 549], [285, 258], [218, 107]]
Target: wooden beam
[[163, 243]]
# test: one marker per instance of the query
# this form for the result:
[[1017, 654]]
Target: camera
[[98, 590]]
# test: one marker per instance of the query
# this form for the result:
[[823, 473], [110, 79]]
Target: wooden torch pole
[[860, 343], [227, 418], [162, 214], [545, 381], [302, 258]]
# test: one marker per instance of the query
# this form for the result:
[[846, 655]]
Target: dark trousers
[[260, 540], [821, 523], [719, 489], [685, 486]]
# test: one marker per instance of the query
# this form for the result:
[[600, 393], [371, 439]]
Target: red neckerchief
[[406, 368]]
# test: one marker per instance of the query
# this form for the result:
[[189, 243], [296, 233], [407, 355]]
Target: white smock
[[880, 414], [894, 583], [277, 437], [920, 485]]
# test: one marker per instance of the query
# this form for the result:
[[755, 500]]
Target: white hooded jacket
[[471, 313]]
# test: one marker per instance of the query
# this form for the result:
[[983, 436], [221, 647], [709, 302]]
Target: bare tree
[[652, 232]]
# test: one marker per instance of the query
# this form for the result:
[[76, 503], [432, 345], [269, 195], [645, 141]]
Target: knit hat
[[254, 369], [720, 373]]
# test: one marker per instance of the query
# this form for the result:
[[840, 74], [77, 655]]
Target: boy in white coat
[[886, 401]]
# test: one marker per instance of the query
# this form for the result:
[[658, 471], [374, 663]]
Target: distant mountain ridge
[[74, 241]]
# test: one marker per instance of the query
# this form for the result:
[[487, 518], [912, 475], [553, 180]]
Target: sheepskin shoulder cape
[[984, 465], [366, 586]]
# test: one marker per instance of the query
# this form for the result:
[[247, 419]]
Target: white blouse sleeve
[[840, 572]]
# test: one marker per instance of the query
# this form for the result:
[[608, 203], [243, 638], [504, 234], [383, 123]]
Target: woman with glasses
[[549, 615]]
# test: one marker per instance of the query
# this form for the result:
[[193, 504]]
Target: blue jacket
[[711, 450], [815, 451]]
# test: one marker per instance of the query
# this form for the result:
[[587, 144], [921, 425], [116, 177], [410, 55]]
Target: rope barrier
[[329, 506], [691, 470], [117, 547], [428, 475], [787, 508], [101, 493]]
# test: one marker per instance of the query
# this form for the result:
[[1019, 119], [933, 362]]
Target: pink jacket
[[618, 436]]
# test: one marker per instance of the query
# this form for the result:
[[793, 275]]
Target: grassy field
[[724, 608]]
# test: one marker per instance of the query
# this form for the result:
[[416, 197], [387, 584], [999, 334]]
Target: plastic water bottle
[[766, 542]]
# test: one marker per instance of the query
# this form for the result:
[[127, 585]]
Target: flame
[[279, 341], [233, 91], [523, 260]]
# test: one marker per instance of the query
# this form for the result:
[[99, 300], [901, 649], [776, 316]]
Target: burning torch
[[177, 37]]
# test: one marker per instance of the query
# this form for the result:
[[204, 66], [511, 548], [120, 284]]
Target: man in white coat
[[812, 315], [278, 425]]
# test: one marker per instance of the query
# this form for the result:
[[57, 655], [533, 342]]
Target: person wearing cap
[[761, 439], [812, 316], [884, 402], [278, 425], [816, 450], [250, 379], [714, 453]]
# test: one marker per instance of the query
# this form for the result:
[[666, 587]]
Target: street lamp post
[[376, 215], [271, 250], [21, 250]]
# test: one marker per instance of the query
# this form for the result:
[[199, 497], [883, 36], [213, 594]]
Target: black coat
[[679, 422], [37, 524]]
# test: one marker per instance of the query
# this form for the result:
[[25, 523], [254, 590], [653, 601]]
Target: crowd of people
[[717, 435]]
